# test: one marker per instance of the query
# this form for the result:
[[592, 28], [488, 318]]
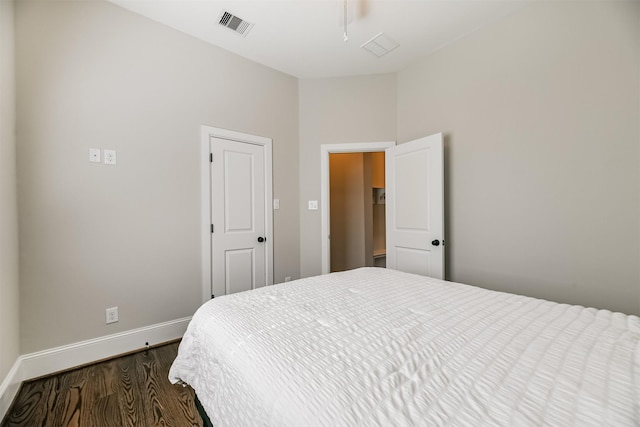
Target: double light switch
[[109, 156]]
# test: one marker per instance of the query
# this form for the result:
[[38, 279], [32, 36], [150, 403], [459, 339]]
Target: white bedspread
[[379, 347]]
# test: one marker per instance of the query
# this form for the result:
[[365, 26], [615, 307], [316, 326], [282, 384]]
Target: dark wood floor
[[131, 390]]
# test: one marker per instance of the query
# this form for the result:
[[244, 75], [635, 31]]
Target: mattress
[[380, 347]]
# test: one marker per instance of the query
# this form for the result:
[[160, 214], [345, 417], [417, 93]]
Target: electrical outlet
[[112, 315], [287, 279]]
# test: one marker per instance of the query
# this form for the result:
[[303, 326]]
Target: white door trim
[[325, 150], [207, 132]]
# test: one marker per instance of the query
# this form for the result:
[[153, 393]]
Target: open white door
[[414, 175]]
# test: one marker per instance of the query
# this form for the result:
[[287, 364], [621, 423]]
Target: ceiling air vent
[[380, 45], [232, 22]]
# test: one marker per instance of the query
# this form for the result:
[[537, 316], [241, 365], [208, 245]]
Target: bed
[[375, 346]]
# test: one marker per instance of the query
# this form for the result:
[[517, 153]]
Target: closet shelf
[[377, 253]]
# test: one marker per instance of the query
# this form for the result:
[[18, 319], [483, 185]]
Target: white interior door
[[238, 241], [415, 206]]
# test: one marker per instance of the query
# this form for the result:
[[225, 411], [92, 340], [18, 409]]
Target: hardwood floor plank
[[66, 408], [131, 397], [177, 400], [132, 390], [102, 380], [32, 406], [168, 405], [105, 412]]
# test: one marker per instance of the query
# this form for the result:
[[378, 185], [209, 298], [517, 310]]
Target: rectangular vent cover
[[380, 45], [232, 22]]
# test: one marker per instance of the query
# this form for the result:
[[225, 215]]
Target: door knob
[[435, 242], [262, 239]]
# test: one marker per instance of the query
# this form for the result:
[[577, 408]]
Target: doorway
[[326, 151], [414, 203], [356, 210]]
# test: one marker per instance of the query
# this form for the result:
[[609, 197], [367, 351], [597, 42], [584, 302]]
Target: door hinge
[[212, 228], [211, 157]]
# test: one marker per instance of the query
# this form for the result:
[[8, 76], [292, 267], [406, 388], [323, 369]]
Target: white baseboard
[[9, 388], [46, 362]]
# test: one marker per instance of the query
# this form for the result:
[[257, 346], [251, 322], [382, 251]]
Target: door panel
[[415, 206], [411, 212], [238, 192], [412, 260], [238, 216], [239, 267]]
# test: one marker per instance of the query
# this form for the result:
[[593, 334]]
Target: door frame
[[206, 133], [325, 151]]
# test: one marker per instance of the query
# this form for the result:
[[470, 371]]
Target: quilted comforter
[[379, 347]]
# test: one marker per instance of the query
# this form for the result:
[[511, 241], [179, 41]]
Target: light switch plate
[[109, 157], [112, 315], [276, 204], [94, 155]]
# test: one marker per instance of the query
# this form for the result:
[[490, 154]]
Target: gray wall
[[91, 74], [541, 120], [9, 291], [332, 111]]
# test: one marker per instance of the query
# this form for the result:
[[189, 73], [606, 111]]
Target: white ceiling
[[304, 38]]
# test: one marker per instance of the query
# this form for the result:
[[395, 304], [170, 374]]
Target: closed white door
[[415, 206], [238, 216]]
